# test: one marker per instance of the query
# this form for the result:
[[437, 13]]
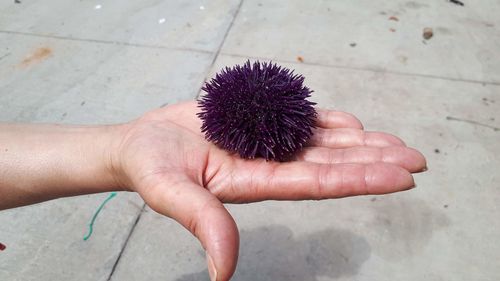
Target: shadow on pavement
[[273, 253]]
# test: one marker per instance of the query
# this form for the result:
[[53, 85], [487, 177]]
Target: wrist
[[87, 157], [112, 155]]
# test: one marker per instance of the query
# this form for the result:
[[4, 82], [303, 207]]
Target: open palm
[[165, 158]]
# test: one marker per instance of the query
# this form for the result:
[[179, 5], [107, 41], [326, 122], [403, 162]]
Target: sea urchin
[[257, 110]]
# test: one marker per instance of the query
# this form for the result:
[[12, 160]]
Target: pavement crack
[[4, 56], [126, 242], [496, 129]]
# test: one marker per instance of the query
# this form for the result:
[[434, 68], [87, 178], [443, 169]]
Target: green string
[[91, 224]]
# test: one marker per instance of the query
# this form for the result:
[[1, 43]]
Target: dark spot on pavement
[[415, 5], [407, 224], [443, 30]]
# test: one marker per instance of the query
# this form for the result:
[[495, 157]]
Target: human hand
[[164, 157]]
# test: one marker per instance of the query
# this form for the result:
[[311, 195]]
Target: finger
[[405, 157], [304, 181], [329, 119], [203, 215], [348, 137]]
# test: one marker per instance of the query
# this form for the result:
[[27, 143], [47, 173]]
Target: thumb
[[205, 217]]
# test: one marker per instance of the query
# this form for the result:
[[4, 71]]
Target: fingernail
[[424, 169], [212, 271]]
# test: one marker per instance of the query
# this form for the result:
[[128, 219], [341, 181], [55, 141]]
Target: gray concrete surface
[[109, 61]]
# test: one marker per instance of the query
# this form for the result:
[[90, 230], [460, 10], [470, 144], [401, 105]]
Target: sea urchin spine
[[258, 110]]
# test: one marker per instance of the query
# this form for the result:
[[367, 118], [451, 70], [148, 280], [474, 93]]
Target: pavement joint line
[[218, 52], [227, 32], [118, 43], [430, 76], [126, 242], [216, 55]]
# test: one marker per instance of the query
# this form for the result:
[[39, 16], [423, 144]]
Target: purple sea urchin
[[257, 110]]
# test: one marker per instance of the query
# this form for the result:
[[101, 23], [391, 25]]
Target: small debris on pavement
[[2, 247], [428, 33], [392, 30], [403, 59], [353, 44], [300, 59], [393, 18], [460, 3], [437, 151], [17, 1]]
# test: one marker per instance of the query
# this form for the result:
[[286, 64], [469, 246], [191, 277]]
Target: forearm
[[40, 162]]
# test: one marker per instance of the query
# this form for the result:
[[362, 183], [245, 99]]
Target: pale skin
[[164, 157]]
